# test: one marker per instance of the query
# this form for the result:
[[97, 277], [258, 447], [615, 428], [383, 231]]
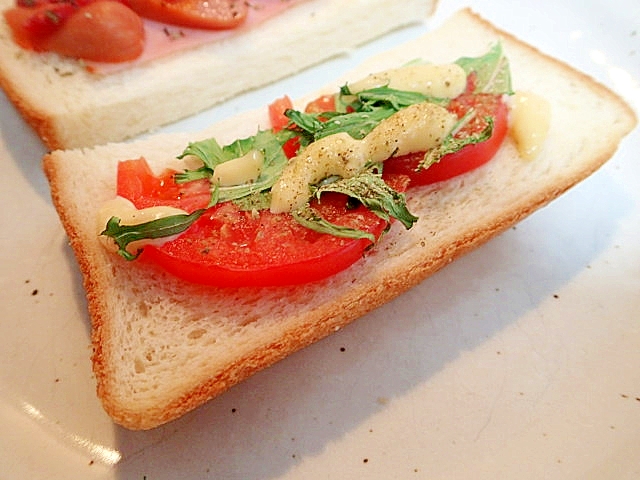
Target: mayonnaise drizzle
[[416, 128], [530, 119], [128, 214]]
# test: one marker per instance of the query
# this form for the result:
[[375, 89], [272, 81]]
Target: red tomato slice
[[291, 147], [137, 183], [469, 157], [100, 30], [229, 248], [276, 112], [324, 103], [30, 24], [207, 14], [280, 121]]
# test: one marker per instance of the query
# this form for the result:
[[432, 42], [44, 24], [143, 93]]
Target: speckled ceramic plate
[[520, 360]]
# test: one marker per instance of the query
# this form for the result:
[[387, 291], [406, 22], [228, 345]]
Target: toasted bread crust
[[40, 122], [244, 331]]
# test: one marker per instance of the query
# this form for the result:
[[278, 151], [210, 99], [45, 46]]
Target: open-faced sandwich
[[209, 256], [85, 72]]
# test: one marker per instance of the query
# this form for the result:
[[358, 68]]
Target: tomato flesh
[[96, 30], [207, 14], [469, 157], [277, 108], [229, 248], [324, 103], [137, 183]]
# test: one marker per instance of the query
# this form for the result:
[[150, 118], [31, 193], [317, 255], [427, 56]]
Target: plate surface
[[520, 359]]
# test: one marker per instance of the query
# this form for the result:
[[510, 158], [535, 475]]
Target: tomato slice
[[137, 183], [207, 14], [279, 121], [324, 103], [229, 248], [30, 24], [276, 112], [469, 157], [100, 30]]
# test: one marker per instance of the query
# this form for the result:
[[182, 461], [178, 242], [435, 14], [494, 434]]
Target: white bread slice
[[70, 108], [163, 347]]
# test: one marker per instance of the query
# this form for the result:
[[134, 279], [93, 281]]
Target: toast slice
[[163, 347], [70, 107]]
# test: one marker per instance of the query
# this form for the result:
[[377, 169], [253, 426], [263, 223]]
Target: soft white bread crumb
[[163, 347], [71, 108]]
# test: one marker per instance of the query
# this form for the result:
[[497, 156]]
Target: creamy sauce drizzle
[[530, 119]]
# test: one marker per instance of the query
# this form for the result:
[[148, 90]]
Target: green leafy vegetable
[[452, 144], [255, 201], [492, 70], [123, 235], [371, 190], [212, 154], [356, 124], [309, 218], [358, 116], [373, 98]]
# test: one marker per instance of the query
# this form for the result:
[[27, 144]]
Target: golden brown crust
[[41, 123]]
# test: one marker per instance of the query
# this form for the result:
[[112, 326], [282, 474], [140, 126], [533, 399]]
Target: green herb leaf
[[212, 154], [311, 219], [358, 116], [307, 124], [371, 190], [451, 144], [377, 97], [492, 70], [192, 175], [254, 201], [123, 235], [356, 124], [274, 162], [209, 151]]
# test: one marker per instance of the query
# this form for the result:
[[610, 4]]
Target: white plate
[[520, 360]]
